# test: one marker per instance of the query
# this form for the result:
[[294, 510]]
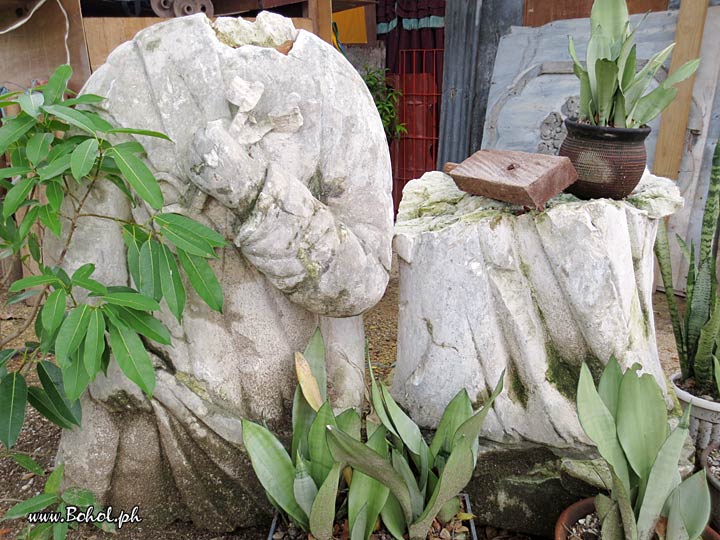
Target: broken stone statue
[[486, 287], [285, 155]]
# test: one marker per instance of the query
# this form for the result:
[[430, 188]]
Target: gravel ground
[[39, 438]]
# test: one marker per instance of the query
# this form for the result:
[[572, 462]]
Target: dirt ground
[[39, 437]]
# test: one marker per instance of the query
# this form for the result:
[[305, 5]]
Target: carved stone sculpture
[[282, 152]]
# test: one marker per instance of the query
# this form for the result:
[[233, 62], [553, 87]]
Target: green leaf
[[304, 488], [149, 261], [132, 300], [609, 385], [322, 516], [692, 497], [78, 497], [75, 377], [682, 73], [145, 132], [321, 460], [599, 425], [94, 343], [171, 283], [50, 219], [38, 147], [9, 172], [637, 88], [651, 105], [134, 237], [273, 468], [607, 84], [17, 195], [54, 310], [143, 323], [190, 228], [55, 168], [350, 422], [72, 117], [345, 449], [470, 429], [202, 279], [393, 518], [28, 463], [52, 484], [641, 422], [55, 195], [660, 482], [83, 158], [457, 411], [13, 397], [133, 147], [52, 382], [39, 399], [71, 333], [85, 99], [132, 357], [57, 84], [407, 429], [140, 177], [185, 239], [37, 503], [16, 299], [31, 103], [13, 129], [662, 254]]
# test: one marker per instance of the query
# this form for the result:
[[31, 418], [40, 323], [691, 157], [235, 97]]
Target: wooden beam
[[674, 120]]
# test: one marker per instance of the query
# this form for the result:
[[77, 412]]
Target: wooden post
[[320, 11], [674, 120]]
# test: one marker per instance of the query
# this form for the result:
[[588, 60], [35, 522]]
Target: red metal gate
[[420, 81]]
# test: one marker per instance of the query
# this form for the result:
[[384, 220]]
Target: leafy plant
[[386, 99], [612, 93], [422, 482], [697, 333], [60, 149], [305, 486], [52, 497], [626, 417]]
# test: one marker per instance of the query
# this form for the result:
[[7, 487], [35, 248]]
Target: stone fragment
[[520, 178]]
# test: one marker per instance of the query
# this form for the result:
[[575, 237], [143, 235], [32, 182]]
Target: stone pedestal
[[487, 287]]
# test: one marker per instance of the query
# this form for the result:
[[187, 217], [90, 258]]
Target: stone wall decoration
[[486, 287], [533, 79], [283, 152]]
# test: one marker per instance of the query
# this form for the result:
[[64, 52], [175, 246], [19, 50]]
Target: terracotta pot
[[713, 484], [580, 509], [609, 161], [704, 417]]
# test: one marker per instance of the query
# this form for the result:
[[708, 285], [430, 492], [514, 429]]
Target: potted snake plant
[[606, 143], [626, 418], [697, 330]]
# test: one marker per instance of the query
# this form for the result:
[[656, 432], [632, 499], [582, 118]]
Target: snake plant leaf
[[609, 385], [699, 310], [346, 449], [456, 475], [314, 354], [585, 93], [684, 249], [692, 498], [470, 429], [349, 421], [712, 208], [598, 48], [393, 518], [603, 505], [378, 404], [599, 425], [660, 482], [367, 496], [683, 72], [627, 514], [321, 460], [612, 528], [662, 254], [611, 16], [606, 72], [308, 382], [641, 81], [619, 115], [357, 529], [457, 411], [322, 516], [304, 487], [675, 526], [408, 430], [716, 373], [627, 63], [641, 421], [274, 469], [651, 105], [703, 365], [417, 500]]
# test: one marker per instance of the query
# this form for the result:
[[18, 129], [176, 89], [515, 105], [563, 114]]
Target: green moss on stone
[[517, 390], [564, 373]]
